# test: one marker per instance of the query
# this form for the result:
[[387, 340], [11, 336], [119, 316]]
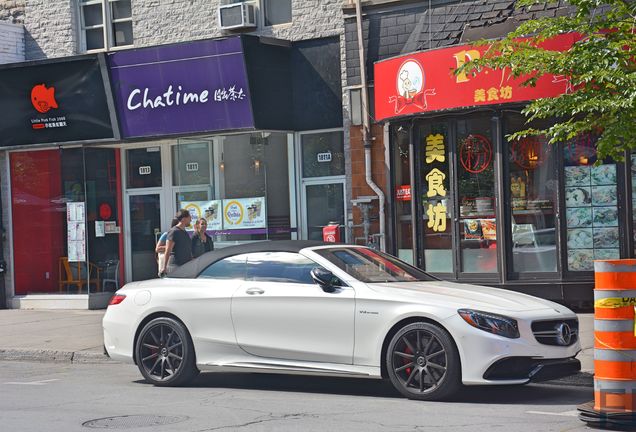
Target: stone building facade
[[162, 22], [309, 49], [12, 11]]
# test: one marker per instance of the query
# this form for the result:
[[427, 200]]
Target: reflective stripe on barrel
[[615, 335], [615, 365], [614, 396]]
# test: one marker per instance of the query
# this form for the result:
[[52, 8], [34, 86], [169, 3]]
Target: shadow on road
[[533, 394]]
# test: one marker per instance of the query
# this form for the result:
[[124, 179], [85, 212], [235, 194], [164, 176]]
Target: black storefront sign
[[54, 102]]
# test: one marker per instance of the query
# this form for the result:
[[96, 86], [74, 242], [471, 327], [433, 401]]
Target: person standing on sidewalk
[[178, 244], [201, 241], [160, 249]]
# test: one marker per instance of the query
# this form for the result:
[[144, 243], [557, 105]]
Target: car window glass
[[228, 268], [371, 266], [280, 267]]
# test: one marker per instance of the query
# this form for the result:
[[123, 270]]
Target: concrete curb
[[52, 356]]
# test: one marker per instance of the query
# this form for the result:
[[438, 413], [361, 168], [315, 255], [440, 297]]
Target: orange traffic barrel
[[615, 336]]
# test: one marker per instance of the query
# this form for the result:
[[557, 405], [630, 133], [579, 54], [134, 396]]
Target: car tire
[[165, 353], [423, 363]]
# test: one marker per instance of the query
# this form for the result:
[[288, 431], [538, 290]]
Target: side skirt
[[324, 369]]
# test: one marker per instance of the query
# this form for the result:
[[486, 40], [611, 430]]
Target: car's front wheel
[[164, 353], [423, 363]]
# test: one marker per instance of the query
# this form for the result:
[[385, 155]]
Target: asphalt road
[[64, 397]]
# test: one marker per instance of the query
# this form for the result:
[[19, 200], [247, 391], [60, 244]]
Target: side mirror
[[325, 279]]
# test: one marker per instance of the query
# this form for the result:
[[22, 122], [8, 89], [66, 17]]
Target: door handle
[[252, 291]]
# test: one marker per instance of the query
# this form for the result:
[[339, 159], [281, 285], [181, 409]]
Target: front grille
[[550, 332]]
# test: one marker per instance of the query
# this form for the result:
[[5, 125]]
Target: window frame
[[262, 5], [106, 26]]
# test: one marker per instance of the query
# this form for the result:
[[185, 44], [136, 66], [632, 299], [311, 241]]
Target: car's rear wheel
[[165, 354], [423, 363]]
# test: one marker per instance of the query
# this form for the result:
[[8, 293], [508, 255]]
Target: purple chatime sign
[[182, 88]]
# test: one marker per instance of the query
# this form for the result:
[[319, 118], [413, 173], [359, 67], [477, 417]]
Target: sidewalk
[[52, 335], [76, 336]]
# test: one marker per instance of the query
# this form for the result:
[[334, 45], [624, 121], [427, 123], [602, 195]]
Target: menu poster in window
[[243, 213], [76, 231], [210, 210], [591, 214]]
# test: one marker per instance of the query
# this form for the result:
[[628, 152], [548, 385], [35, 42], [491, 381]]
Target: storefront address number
[[145, 170], [324, 157]]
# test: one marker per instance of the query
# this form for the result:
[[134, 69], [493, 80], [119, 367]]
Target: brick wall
[[11, 42], [359, 186]]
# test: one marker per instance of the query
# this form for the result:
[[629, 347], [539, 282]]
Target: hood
[[456, 295]]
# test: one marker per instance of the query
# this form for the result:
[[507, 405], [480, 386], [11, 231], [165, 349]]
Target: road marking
[[574, 413], [35, 383]]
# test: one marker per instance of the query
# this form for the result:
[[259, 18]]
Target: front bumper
[[479, 351], [531, 369]]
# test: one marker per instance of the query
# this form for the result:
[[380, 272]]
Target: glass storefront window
[[323, 154], [437, 197], [144, 167], [191, 162], [591, 203], [145, 223], [62, 203], [254, 184], [532, 180], [476, 190], [325, 204], [182, 198], [402, 192]]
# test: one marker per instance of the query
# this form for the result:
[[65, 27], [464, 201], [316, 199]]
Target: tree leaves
[[601, 68]]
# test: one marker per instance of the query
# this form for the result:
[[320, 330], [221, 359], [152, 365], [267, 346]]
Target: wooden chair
[[74, 273]]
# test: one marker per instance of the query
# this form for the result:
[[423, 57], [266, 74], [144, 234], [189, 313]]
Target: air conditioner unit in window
[[237, 16]]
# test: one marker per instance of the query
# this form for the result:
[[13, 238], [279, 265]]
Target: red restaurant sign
[[424, 81]]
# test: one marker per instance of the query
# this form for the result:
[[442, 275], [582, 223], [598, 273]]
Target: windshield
[[370, 266]]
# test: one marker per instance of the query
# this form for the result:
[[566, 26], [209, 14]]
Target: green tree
[[601, 67]]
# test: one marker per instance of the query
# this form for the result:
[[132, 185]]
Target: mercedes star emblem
[[564, 334]]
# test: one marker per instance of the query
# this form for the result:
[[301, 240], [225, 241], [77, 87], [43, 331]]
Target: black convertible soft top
[[193, 268]]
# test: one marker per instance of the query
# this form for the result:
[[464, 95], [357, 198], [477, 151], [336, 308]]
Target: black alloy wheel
[[423, 362], [165, 354]]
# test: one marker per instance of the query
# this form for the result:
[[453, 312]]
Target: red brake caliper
[[407, 361]]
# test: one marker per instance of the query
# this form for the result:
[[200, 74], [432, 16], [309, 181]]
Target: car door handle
[[252, 291]]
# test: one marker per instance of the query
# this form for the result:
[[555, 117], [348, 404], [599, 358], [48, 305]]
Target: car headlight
[[492, 323]]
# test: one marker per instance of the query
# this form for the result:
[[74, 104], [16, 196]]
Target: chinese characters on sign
[[475, 153], [493, 94], [430, 80], [436, 191], [231, 94]]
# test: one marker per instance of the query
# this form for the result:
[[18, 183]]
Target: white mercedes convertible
[[305, 307]]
